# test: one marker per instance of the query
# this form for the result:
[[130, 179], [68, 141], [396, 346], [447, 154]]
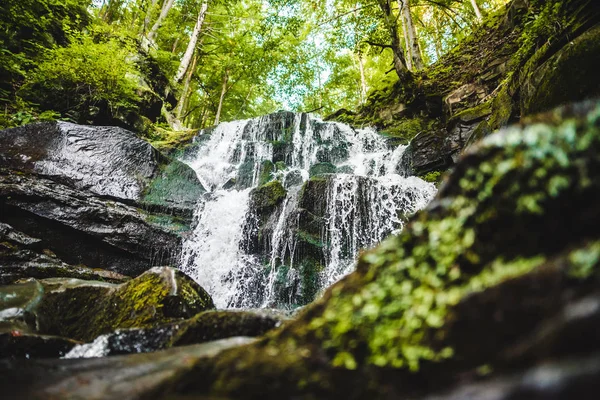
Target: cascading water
[[291, 201]]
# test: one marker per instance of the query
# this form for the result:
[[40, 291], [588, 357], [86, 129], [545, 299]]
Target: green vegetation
[[166, 68]]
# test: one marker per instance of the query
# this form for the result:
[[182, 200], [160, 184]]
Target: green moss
[[569, 75], [84, 310], [266, 172], [471, 114], [502, 108], [175, 186], [433, 176], [268, 195]]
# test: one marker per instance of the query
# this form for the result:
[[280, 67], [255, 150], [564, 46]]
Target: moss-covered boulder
[[510, 241], [570, 74], [83, 310], [266, 197]]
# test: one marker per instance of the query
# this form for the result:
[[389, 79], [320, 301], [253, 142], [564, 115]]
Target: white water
[[363, 205]]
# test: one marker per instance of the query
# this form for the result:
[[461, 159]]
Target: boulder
[[322, 168], [83, 310]]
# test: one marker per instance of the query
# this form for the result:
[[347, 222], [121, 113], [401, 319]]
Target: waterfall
[[291, 201]]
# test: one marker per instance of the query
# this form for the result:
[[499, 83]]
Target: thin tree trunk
[[390, 23], [363, 79], [187, 57], [223, 92], [163, 14], [407, 46], [413, 41], [186, 89], [148, 16], [175, 44], [477, 10]]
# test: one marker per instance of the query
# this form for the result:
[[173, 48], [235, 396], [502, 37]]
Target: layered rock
[[93, 196]]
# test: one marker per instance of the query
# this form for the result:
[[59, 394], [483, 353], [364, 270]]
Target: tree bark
[[189, 52], [163, 14], [406, 42], [363, 79], [390, 23], [223, 92], [148, 16], [411, 32], [186, 89], [477, 10]]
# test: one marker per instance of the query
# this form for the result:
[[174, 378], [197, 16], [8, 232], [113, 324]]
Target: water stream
[[345, 191]]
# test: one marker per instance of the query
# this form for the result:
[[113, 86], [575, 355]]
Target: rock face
[[95, 196], [106, 161], [24, 256], [498, 275]]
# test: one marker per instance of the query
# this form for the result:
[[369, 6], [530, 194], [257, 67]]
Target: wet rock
[[124, 377], [204, 327], [322, 168], [292, 178], [264, 198], [80, 228], [83, 310], [22, 256], [18, 344], [435, 150], [106, 161]]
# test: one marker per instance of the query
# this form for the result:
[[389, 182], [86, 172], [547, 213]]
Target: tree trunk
[[163, 14], [189, 52], [390, 23], [148, 16], [186, 89], [406, 42], [223, 92], [477, 10], [363, 79], [413, 41]]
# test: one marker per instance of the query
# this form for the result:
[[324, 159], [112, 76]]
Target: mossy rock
[[266, 172], [83, 310], [516, 216], [322, 168], [569, 75], [475, 113], [267, 196], [175, 188]]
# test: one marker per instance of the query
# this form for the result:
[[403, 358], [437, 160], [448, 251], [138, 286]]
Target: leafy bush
[[85, 79]]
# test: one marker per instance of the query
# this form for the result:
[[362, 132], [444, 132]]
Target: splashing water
[[282, 254]]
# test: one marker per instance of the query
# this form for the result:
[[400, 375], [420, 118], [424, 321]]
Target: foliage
[[81, 79]]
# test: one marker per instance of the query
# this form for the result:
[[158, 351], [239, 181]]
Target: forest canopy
[[209, 61]]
